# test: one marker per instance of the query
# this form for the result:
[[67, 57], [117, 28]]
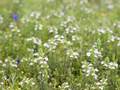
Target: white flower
[[70, 29], [33, 83], [88, 54], [75, 38], [110, 65], [50, 0], [118, 43], [89, 70], [113, 38], [72, 54], [53, 30], [31, 64], [36, 54], [95, 76], [83, 1], [25, 20], [37, 41], [110, 6], [1, 61], [70, 18], [35, 15], [65, 86], [59, 38], [97, 53], [113, 65], [4, 65], [1, 19], [13, 64], [46, 45], [101, 84], [102, 31], [38, 27], [11, 26]]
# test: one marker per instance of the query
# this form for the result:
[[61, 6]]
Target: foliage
[[60, 45]]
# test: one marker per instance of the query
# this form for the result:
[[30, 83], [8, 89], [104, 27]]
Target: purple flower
[[18, 61], [15, 17]]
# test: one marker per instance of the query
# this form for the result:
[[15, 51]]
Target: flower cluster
[[27, 81], [59, 45], [101, 84], [65, 86], [110, 65], [95, 52], [35, 40], [72, 54], [89, 70]]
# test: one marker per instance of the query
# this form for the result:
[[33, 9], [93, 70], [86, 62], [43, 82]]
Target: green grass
[[60, 45]]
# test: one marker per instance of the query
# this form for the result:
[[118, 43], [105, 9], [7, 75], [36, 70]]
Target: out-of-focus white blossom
[[102, 31], [35, 14], [35, 40], [71, 29], [72, 54], [101, 84], [110, 65], [38, 27], [65, 86], [53, 30], [1, 19], [89, 69], [95, 52]]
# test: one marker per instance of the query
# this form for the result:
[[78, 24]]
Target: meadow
[[60, 45]]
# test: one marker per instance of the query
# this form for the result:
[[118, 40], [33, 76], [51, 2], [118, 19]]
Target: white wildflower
[[1, 19]]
